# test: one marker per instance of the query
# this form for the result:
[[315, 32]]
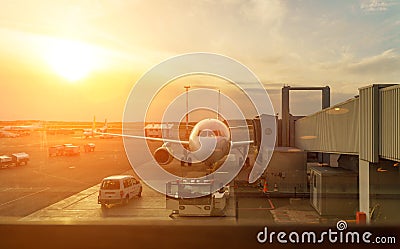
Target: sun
[[73, 60]]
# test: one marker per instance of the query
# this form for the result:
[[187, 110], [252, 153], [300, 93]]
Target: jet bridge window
[[203, 133]]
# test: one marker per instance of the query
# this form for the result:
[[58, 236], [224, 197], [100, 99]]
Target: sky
[[71, 60]]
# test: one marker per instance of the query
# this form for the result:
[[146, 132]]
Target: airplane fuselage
[[209, 141]]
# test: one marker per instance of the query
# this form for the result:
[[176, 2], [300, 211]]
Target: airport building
[[358, 142]]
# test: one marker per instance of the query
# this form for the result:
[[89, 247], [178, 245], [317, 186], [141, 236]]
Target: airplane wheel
[[189, 161], [182, 162]]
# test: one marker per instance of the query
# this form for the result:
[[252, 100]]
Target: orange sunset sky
[[70, 60]]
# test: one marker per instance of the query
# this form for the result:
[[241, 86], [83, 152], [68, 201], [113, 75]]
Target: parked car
[[118, 189]]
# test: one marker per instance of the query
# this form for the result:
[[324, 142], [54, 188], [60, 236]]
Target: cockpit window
[[210, 133], [217, 133], [203, 133]]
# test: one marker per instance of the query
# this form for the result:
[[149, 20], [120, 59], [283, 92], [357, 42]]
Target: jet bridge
[[368, 127]]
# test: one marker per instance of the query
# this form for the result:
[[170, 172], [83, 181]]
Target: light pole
[[187, 110]]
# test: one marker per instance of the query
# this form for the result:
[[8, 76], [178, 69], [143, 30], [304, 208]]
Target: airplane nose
[[207, 147]]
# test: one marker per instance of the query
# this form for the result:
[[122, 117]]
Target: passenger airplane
[[209, 141]]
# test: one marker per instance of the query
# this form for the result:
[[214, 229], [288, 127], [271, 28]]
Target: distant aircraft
[[92, 132], [8, 134], [18, 130], [21, 127]]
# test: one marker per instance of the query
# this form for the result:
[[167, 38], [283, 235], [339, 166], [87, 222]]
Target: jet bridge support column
[[286, 114], [363, 182], [369, 141]]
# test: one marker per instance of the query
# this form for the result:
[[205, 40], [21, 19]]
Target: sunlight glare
[[72, 60]]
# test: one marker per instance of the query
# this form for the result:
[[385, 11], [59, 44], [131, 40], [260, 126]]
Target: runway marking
[[83, 197], [57, 177], [14, 189], [19, 198]]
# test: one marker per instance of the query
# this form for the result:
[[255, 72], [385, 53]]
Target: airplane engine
[[163, 156]]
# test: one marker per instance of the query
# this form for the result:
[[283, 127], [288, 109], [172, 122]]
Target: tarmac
[[64, 189], [254, 208]]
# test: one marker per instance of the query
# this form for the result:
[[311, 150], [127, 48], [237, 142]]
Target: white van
[[118, 189]]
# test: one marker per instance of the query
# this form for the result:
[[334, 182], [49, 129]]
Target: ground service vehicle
[[66, 150], [89, 147], [210, 204], [56, 150], [118, 189], [71, 150], [15, 159]]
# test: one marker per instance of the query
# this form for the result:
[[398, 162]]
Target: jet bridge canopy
[[367, 125]]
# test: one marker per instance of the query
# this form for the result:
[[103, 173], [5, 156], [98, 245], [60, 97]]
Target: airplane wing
[[240, 127], [147, 138], [242, 142]]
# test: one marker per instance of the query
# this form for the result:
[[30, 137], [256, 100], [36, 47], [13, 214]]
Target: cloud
[[384, 64], [374, 6], [377, 5]]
